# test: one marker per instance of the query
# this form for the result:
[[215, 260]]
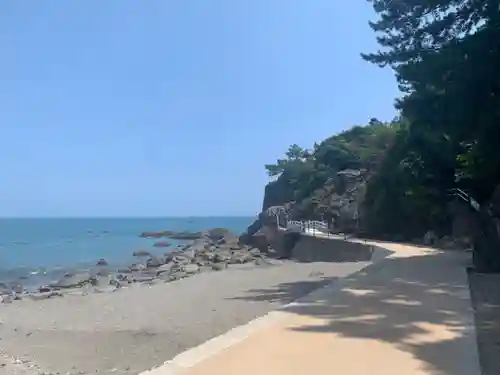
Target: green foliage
[[445, 55], [309, 173]]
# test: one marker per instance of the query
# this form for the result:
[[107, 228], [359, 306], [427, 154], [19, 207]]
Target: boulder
[[154, 262], [137, 267], [219, 266], [221, 257], [165, 268], [73, 281], [191, 268]]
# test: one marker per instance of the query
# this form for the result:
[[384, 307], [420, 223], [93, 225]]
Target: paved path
[[408, 314]]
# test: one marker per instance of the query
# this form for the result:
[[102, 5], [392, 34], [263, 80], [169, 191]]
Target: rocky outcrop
[[216, 250], [339, 202]]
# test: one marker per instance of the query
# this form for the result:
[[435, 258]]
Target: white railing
[[308, 226]]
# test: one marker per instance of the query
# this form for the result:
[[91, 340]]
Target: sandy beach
[[136, 328]]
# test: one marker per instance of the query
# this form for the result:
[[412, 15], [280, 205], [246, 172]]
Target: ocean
[[40, 250]]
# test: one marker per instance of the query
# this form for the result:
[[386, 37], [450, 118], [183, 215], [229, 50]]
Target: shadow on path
[[419, 305]]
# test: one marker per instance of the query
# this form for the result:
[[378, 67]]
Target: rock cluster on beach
[[214, 250]]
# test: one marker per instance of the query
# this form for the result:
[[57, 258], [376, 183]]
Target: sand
[[134, 329]]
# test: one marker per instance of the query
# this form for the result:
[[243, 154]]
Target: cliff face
[[277, 193], [329, 182]]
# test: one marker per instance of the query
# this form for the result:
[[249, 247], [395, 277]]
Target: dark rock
[[162, 244], [184, 235], [153, 234], [221, 257], [154, 262], [72, 281], [102, 262], [141, 253], [44, 289], [169, 257]]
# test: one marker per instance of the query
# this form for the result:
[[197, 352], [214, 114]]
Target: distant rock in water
[[162, 244], [141, 253], [153, 234]]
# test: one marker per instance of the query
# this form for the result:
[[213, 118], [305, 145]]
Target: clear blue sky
[[167, 108]]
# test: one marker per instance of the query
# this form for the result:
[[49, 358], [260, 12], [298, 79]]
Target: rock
[[137, 267], [220, 257], [162, 244], [141, 277], [191, 268], [164, 268], [430, 238], [184, 235], [154, 262], [169, 257], [178, 275], [240, 258], [219, 266], [72, 281], [153, 234], [141, 253], [123, 270], [44, 289], [102, 262]]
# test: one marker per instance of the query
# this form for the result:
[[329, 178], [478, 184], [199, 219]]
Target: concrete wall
[[319, 249]]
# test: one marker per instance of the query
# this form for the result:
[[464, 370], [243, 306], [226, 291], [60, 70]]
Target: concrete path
[[408, 314]]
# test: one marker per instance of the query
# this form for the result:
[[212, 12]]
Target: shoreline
[[139, 327], [212, 250]]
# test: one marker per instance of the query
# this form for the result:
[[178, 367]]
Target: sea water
[[36, 249]]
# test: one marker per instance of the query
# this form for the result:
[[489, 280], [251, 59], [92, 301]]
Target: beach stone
[[137, 267], [219, 266], [44, 295], [240, 258], [191, 268], [72, 281], [182, 259], [165, 268], [154, 262], [169, 257], [221, 257], [178, 275]]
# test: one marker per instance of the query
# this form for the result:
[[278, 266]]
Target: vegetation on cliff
[[445, 55]]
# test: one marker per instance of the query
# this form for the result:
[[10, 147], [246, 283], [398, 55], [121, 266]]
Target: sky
[[172, 108]]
